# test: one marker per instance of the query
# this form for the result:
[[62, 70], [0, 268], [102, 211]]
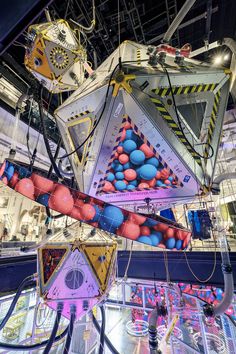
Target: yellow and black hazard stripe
[[183, 90], [138, 56], [82, 114], [212, 123], [175, 128]]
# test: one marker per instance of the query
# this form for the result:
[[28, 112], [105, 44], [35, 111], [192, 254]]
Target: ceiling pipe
[[93, 22], [177, 20]]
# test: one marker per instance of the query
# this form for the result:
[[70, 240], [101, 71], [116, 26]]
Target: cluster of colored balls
[[80, 206], [135, 166]]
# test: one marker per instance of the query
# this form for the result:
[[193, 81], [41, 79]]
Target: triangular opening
[[193, 114], [51, 258], [78, 131], [101, 260], [135, 165]]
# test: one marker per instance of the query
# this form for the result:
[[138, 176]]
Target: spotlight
[[218, 60], [226, 57]]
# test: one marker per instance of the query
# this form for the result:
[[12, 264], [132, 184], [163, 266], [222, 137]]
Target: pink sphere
[[167, 182], [123, 134], [120, 149], [116, 155], [123, 158], [2, 168], [75, 213], [137, 218], [143, 185], [151, 183], [42, 185], [87, 212], [145, 231], [5, 181], [108, 187], [161, 245], [164, 174], [187, 240], [169, 233], [130, 174], [79, 203], [127, 126], [125, 182], [179, 234], [158, 175], [26, 187], [161, 227], [129, 230], [146, 150], [14, 180], [61, 200]]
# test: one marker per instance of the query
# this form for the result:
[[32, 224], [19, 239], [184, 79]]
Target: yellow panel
[[38, 52], [100, 259]]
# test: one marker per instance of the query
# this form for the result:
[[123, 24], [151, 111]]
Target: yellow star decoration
[[76, 245], [122, 81]]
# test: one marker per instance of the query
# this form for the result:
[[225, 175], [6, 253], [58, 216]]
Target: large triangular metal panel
[[163, 103]]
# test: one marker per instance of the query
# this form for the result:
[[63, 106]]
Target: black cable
[[44, 131], [22, 348], [21, 287], [55, 157], [102, 332], [48, 212], [54, 330], [70, 331], [179, 121], [107, 340]]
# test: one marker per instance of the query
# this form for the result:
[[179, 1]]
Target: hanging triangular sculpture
[[135, 165]]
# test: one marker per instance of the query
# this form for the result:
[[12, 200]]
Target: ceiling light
[[218, 60], [226, 57]]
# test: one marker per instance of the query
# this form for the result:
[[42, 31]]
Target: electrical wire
[[106, 339], [102, 332], [50, 155], [21, 287], [54, 330], [70, 331]]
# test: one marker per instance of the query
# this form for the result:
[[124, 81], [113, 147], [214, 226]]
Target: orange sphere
[[136, 218], [25, 187], [120, 149], [5, 181], [187, 240], [127, 126], [87, 212], [146, 150], [169, 233], [79, 203], [129, 230], [164, 174], [130, 174], [151, 183], [123, 158], [61, 200], [123, 134], [161, 245], [158, 175], [75, 213], [161, 227], [143, 185], [144, 231], [179, 234], [108, 187], [2, 168], [42, 185]]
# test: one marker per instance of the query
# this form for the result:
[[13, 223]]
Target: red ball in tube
[[129, 230]]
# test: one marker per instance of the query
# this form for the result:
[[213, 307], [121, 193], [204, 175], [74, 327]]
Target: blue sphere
[[145, 239], [130, 135], [129, 146], [170, 178], [118, 167], [159, 183], [153, 161], [120, 185], [156, 237], [98, 214], [106, 225], [130, 187], [128, 165], [119, 175], [43, 199], [112, 216], [9, 172], [147, 172], [137, 157], [170, 243], [133, 183], [24, 172], [121, 143], [150, 222], [179, 244], [110, 177]]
